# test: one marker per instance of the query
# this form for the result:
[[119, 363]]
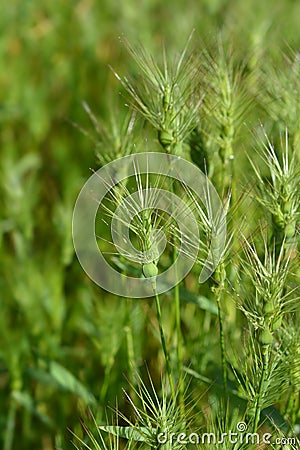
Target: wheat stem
[[262, 386], [10, 425], [163, 343], [222, 344]]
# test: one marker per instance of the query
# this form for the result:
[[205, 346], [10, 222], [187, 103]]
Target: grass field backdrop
[[202, 358]]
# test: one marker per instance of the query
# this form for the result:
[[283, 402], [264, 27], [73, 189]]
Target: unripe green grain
[[287, 206], [150, 270], [268, 308], [165, 137], [265, 337]]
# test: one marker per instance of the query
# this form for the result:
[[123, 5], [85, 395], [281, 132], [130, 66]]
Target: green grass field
[[86, 82]]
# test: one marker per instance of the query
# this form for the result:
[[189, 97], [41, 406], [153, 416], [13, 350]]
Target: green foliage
[[66, 345]]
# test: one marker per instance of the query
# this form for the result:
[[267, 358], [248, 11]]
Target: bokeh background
[[63, 341]]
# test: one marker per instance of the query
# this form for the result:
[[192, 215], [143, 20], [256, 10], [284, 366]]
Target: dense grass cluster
[[201, 358]]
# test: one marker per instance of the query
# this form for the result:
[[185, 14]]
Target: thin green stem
[[178, 332], [228, 183], [178, 329], [222, 348], [221, 276], [106, 380], [131, 360], [130, 351], [179, 350], [262, 386], [10, 425], [163, 343]]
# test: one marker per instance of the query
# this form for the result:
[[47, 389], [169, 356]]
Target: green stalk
[[221, 275], [163, 343], [120, 190], [130, 351], [179, 350], [227, 182], [262, 386], [178, 334], [10, 425], [106, 380], [222, 345], [131, 360]]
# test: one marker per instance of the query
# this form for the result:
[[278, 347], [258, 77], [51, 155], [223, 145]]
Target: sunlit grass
[[232, 343]]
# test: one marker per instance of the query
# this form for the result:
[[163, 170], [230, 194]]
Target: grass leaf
[[70, 383]]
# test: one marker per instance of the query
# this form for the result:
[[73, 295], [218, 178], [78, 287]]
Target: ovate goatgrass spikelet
[[166, 94]]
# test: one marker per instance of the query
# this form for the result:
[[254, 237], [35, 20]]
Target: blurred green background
[[62, 339]]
